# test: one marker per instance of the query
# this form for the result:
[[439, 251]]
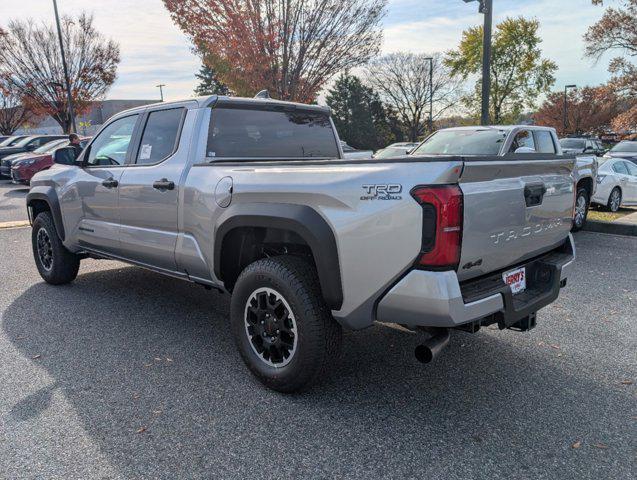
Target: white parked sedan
[[616, 184]]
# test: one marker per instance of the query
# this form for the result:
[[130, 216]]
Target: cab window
[[110, 147], [159, 139], [522, 139], [544, 142]]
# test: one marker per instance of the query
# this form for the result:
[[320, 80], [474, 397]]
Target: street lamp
[[161, 90], [486, 8], [66, 70], [566, 87], [431, 94]]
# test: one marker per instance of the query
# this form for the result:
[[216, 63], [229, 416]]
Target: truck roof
[[214, 100], [500, 127]]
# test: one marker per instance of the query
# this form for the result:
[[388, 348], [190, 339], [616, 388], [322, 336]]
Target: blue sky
[[155, 51]]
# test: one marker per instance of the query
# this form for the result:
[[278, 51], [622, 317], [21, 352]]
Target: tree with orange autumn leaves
[[590, 109], [616, 31], [31, 66], [289, 47]]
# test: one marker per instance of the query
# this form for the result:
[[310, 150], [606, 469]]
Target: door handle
[[534, 194], [110, 183], [164, 184]]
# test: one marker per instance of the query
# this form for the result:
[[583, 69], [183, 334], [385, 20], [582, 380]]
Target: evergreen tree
[[360, 117], [209, 84]]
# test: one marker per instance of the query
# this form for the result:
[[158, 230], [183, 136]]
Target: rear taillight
[[442, 225]]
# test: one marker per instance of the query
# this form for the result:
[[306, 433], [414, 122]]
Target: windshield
[[463, 142], [573, 143], [22, 142], [391, 152], [9, 142], [625, 147], [49, 146]]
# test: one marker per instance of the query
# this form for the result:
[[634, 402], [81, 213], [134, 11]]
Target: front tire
[[55, 263], [581, 210], [614, 199], [281, 325]]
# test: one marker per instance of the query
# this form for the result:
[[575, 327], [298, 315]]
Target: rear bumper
[[438, 299]]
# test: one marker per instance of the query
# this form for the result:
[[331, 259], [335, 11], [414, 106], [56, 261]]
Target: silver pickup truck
[[253, 197]]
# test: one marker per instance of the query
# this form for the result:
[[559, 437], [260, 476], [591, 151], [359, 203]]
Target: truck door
[[98, 186], [149, 190]]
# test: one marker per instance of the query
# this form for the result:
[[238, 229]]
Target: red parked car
[[23, 168]]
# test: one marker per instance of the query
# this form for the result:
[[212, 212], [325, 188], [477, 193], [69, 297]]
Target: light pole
[[486, 8], [565, 119], [66, 70], [161, 90], [431, 94]]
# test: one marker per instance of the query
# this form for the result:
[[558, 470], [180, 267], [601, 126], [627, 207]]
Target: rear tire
[[582, 204], [55, 263], [614, 199], [287, 349]]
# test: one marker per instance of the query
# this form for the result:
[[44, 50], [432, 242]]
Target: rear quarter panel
[[377, 240]]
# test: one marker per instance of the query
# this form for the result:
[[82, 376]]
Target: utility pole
[[565, 119], [431, 94], [66, 70], [161, 90], [486, 8]]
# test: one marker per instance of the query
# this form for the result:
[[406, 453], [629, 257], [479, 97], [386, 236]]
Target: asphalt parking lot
[[128, 374], [12, 198]]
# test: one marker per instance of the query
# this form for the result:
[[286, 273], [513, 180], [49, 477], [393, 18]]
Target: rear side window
[[243, 133], [544, 142], [632, 168], [619, 167], [159, 139]]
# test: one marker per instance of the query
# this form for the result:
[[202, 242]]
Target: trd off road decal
[[383, 191]]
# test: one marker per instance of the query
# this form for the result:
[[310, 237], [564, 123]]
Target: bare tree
[[290, 47], [12, 112], [402, 79], [30, 61]]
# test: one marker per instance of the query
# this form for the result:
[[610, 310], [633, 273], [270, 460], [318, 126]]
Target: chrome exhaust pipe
[[431, 347]]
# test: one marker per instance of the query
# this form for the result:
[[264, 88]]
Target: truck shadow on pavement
[[149, 366]]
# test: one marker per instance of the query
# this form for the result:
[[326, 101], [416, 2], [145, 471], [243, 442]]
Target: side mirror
[[588, 149], [64, 156], [30, 148], [525, 150]]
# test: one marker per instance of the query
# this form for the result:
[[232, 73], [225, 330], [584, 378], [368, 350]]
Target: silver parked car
[[616, 184]]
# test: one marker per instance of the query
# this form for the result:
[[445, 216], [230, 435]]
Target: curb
[[613, 228], [18, 224]]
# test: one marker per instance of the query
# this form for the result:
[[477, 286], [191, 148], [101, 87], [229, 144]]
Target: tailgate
[[513, 210]]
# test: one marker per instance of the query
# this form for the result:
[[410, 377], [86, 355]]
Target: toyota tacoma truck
[[253, 197]]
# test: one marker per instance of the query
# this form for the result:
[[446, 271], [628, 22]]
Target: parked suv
[[27, 144], [254, 197], [28, 164]]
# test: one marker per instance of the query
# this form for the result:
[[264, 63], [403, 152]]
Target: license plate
[[516, 279]]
